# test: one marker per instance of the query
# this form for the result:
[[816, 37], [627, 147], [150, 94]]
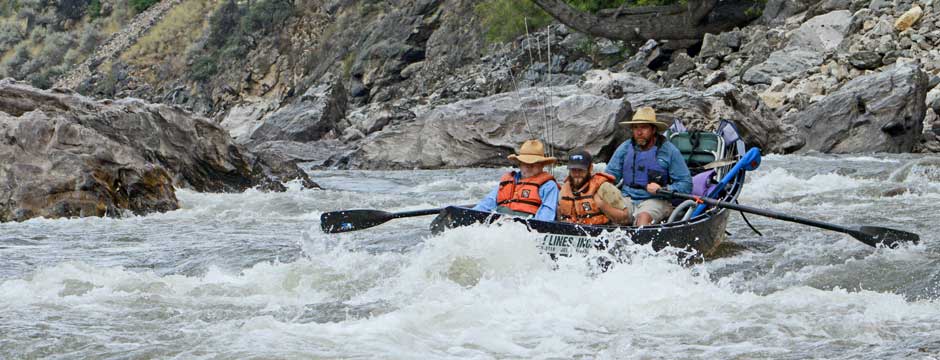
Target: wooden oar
[[870, 235], [357, 219]]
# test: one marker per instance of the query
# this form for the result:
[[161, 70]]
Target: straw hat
[[532, 152], [646, 115]]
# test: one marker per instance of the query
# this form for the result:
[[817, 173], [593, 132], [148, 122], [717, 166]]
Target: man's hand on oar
[[870, 235], [357, 219]]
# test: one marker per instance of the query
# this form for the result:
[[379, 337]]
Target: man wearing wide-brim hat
[[529, 192], [646, 163]]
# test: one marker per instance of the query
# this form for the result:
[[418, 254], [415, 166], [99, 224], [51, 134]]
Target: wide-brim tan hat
[[646, 115], [532, 152]]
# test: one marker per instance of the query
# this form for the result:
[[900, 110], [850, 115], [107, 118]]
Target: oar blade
[[891, 238], [352, 220]]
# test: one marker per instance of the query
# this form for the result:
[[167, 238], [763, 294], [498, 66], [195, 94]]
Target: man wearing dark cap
[[588, 198]]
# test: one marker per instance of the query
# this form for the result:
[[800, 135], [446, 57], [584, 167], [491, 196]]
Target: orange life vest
[[579, 207], [524, 195]]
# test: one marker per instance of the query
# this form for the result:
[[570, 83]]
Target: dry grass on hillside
[[173, 35]]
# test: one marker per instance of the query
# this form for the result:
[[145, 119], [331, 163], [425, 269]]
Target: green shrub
[[505, 20], [595, 5], [204, 68], [71, 9], [94, 8], [11, 67], [10, 35], [233, 32], [264, 16], [140, 6], [223, 23]]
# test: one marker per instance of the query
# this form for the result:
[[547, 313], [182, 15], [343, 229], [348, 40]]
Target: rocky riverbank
[[831, 76], [413, 84], [65, 155]]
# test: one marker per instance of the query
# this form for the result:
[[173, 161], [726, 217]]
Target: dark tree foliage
[[223, 24], [235, 30], [140, 5], [71, 9], [683, 20], [265, 16]]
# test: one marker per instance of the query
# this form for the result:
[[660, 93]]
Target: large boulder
[[600, 82], [776, 12], [64, 155], [313, 115], [243, 118], [482, 132], [702, 110], [822, 33], [880, 112], [786, 64], [805, 50]]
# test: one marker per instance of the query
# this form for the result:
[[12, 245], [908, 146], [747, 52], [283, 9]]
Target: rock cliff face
[[65, 155], [411, 83]]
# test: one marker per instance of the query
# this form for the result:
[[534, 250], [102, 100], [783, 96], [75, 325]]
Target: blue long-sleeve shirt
[[548, 192], [668, 156]]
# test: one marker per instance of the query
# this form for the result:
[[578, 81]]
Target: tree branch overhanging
[[670, 22]]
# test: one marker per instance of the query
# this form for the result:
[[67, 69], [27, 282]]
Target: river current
[[236, 276]]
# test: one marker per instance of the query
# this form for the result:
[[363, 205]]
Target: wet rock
[[320, 154], [895, 192], [881, 112], [64, 155]]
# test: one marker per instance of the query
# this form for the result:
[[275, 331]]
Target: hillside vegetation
[[42, 39]]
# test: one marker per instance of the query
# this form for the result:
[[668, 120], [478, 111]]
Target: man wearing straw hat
[[646, 163], [530, 192]]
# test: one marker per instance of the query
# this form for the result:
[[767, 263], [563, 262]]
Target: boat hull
[[699, 238]]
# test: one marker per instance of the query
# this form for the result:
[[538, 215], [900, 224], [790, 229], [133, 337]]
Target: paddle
[[351, 220], [871, 235]]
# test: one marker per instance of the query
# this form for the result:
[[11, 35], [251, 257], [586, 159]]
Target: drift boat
[[693, 228]]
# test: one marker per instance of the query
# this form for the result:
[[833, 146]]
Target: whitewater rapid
[[234, 276]]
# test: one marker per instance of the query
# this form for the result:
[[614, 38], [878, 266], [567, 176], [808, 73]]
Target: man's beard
[[577, 183], [641, 142]]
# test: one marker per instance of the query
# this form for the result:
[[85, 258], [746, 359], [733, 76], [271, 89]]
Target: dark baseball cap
[[579, 159]]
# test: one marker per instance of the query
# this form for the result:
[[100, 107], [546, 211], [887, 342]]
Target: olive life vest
[[579, 207], [522, 196], [638, 164]]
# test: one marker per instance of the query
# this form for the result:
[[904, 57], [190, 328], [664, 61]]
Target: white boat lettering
[[560, 243]]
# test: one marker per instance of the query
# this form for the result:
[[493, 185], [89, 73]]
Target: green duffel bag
[[698, 147]]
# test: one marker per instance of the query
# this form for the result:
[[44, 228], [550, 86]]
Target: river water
[[235, 276]]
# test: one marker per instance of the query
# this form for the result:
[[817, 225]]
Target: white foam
[[780, 183]]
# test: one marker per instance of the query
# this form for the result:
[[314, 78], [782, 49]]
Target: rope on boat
[[748, 222], [525, 116], [548, 130]]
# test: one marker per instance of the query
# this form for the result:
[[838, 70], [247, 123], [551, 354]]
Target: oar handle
[[406, 214], [870, 235]]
